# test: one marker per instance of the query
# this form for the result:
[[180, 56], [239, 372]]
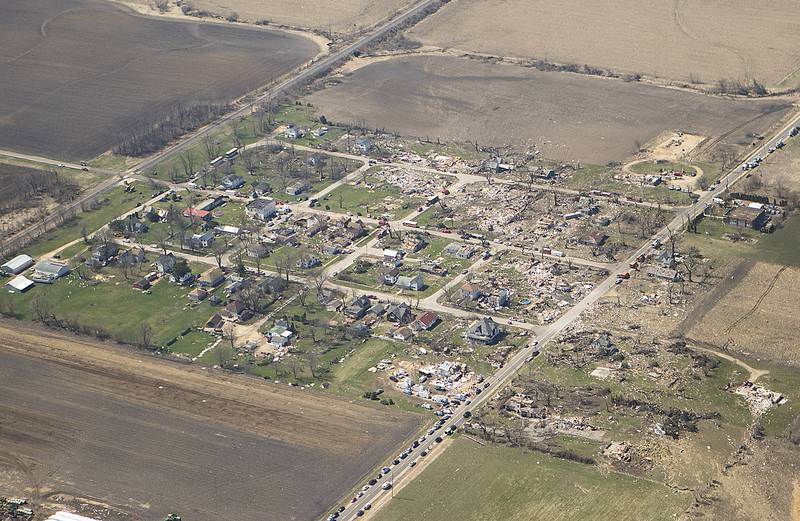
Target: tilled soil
[[77, 75], [565, 116], [153, 436]]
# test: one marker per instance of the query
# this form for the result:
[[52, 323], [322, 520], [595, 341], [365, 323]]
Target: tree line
[[149, 137]]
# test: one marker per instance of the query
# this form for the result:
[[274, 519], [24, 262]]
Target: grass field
[[653, 168], [111, 204], [473, 482], [374, 201], [192, 343], [54, 84], [565, 116], [683, 41], [780, 247], [591, 177], [115, 307]]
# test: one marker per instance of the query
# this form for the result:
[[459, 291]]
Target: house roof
[[197, 213], [67, 516], [399, 309], [212, 275], [214, 321], [485, 327], [404, 331], [745, 213], [428, 318], [20, 283], [261, 204], [18, 263], [51, 268], [469, 287], [168, 258], [235, 306]]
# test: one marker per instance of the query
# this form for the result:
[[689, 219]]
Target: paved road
[[515, 363]]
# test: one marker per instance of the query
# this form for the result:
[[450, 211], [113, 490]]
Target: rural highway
[[504, 375]]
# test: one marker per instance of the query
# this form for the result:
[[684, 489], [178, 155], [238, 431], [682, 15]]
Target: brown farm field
[[77, 74], [148, 437], [567, 116], [676, 39], [342, 17], [755, 316]]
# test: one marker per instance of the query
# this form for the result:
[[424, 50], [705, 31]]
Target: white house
[[262, 209], [415, 283]]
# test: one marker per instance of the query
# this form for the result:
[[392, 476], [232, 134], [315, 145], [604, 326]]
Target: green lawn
[[784, 380], [112, 204], [115, 307], [111, 161], [653, 168], [473, 482], [781, 247], [192, 343], [380, 198], [592, 177]]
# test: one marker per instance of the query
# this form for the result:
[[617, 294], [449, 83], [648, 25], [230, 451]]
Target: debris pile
[[759, 399]]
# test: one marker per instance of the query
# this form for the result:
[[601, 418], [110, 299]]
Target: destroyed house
[[746, 217]]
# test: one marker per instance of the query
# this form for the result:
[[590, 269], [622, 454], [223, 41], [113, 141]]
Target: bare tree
[[691, 260], [218, 249], [301, 296], [318, 280], [145, 335], [229, 334], [313, 360], [187, 162]]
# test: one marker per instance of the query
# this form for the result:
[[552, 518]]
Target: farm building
[[19, 284], [17, 265], [746, 217], [48, 271]]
